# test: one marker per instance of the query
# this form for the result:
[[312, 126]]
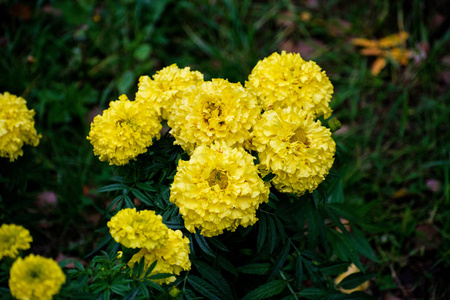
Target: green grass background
[[68, 59]]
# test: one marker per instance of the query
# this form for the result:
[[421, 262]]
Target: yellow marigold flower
[[294, 147], [351, 270], [123, 131], [35, 277], [218, 189], [142, 229], [171, 258], [286, 79], [16, 126], [167, 85], [215, 110], [12, 239]]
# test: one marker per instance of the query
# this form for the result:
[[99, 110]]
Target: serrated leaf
[[226, 265], [145, 186], [138, 194], [112, 187], [272, 230], [203, 287], [333, 268], [299, 270], [262, 231], [354, 280], [257, 268], [201, 241], [266, 290], [214, 277], [268, 177], [280, 260]]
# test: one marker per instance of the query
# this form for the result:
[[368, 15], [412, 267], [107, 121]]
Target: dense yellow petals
[[215, 110], [12, 239], [35, 277], [123, 131], [172, 257], [286, 80], [143, 229], [16, 126], [294, 147], [168, 85], [218, 189]]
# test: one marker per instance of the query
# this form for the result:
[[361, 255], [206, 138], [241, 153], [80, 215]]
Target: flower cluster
[[123, 131], [35, 277], [145, 230], [12, 239], [168, 85], [16, 126], [218, 189]]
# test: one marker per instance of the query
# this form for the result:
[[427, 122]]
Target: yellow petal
[[365, 43], [393, 39], [378, 65]]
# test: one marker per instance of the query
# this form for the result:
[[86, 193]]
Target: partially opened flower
[[172, 257], [218, 189], [12, 239], [295, 148], [16, 126], [35, 277], [286, 80], [142, 229], [123, 131], [167, 85], [215, 110]]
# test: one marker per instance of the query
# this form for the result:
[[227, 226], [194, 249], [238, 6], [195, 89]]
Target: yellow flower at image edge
[[286, 80], [12, 239], [143, 229], [16, 126], [295, 148], [171, 258], [123, 131], [218, 189], [35, 277]]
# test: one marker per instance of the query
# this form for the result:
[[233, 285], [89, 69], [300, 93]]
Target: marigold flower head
[[167, 85], [294, 147], [142, 229], [215, 110], [35, 277], [285, 79], [16, 126], [12, 239], [123, 131], [171, 258], [218, 189]]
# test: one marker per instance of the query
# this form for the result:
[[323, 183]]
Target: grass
[[69, 59]]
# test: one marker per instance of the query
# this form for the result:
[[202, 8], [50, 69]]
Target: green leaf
[[125, 82], [204, 288], [112, 187], [142, 52], [299, 270], [262, 231], [280, 260], [213, 276], [313, 293], [354, 280], [268, 177], [257, 268], [146, 186], [266, 290], [272, 230], [333, 268], [138, 194], [201, 241]]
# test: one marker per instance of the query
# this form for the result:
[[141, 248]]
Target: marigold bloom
[[12, 239], [16, 126], [35, 277], [123, 131], [215, 110], [142, 229], [286, 80], [294, 147], [351, 270], [171, 258], [167, 85], [218, 189]]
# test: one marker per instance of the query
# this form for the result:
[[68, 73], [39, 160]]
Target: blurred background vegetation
[[68, 59]]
